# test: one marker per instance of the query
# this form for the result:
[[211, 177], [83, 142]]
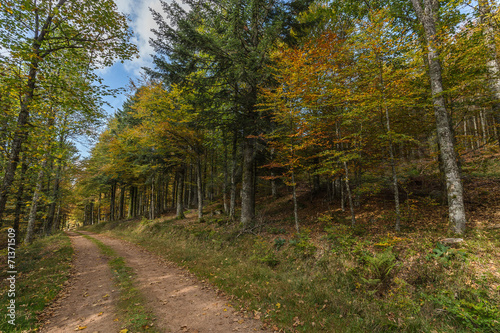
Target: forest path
[[180, 302], [88, 302]]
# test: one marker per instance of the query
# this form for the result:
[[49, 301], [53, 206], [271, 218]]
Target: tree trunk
[[91, 211], [54, 200], [19, 137], [349, 195], [19, 199], [34, 204], [121, 208], [232, 203], [112, 213], [426, 16], [56, 224], [247, 186], [99, 208], [180, 185], [295, 206], [391, 153], [199, 189], [152, 203], [130, 202]]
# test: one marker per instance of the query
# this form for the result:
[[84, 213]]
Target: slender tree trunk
[[19, 199], [199, 189], [54, 200], [232, 203], [247, 186], [91, 211], [130, 201], [226, 180], [274, 192], [56, 224], [426, 15], [121, 208], [99, 208], [391, 153], [174, 190], [349, 196], [152, 203], [295, 205], [34, 205], [342, 195], [112, 199], [180, 185], [165, 202]]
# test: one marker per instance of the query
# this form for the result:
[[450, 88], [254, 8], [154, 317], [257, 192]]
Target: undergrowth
[[42, 268], [342, 280]]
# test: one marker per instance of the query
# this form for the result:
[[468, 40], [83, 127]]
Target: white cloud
[[141, 23]]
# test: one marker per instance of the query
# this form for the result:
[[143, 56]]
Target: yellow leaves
[[124, 330], [80, 328], [278, 305]]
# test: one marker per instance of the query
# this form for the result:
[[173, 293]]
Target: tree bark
[[34, 205], [349, 195], [199, 189], [121, 209], [232, 202], [54, 200], [391, 152], [112, 199], [19, 199], [247, 186], [180, 185], [426, 15]]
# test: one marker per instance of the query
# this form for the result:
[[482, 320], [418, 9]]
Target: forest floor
[[179, 302], [332, 277]]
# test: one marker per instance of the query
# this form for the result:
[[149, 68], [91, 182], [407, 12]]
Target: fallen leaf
[[100, 314], [124, 330], [79, 328]]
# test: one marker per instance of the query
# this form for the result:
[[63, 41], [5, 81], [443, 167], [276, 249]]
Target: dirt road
[[88, 302], [180, 302]]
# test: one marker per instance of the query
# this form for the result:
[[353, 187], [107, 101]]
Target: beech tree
[[427, 13]]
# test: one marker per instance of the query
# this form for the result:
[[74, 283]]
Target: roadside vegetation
[[42, 270], [331, 277]]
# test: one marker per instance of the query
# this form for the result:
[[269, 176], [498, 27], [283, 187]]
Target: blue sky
[[119, 75]]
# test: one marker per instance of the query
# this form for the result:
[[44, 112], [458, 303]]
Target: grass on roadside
[[131, 309], [345, 281], [42, 268]]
